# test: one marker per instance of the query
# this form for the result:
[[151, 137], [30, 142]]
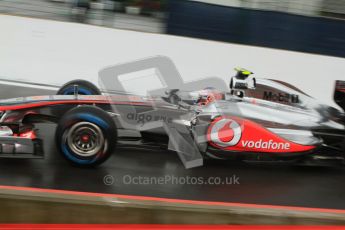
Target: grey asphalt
[[306, 186]]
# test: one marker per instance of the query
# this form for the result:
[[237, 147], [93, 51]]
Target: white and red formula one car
[[258, 120]]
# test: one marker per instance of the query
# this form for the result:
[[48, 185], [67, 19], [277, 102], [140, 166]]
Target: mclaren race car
[[257, 120]]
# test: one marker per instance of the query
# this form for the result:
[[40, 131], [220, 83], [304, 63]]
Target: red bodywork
[[237, 134]]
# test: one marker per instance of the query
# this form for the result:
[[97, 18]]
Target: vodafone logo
[[266, 145], [225, 132], [229, 134]]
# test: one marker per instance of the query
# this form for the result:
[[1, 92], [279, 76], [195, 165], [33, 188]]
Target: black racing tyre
[[86, 136], [84, 88]]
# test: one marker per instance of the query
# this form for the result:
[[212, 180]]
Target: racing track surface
[[308, 186]]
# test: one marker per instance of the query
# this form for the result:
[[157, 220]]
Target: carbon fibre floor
[[161, 174]]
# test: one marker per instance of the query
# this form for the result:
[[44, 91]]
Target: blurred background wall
[[314, 26], [304, 25]]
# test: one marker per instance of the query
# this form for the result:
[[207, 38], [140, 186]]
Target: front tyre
[[86, 136], [84, 88]]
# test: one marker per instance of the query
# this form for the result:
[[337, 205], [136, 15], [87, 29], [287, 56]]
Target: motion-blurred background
[[313, 26]]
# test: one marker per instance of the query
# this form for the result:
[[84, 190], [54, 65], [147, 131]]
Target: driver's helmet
[[242, 73]]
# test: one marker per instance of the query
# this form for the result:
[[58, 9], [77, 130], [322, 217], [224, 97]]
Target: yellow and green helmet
[[243, 71]]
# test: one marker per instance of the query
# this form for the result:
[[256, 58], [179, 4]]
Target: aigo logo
[[224, 132]]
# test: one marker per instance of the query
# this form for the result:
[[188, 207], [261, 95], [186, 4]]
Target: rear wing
[[339, 93]]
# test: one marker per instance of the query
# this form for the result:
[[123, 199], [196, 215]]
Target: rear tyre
[[84, 88], [86, 136]]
